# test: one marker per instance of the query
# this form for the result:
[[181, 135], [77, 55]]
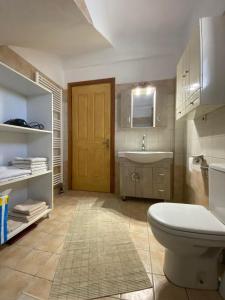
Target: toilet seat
[[191, 221]]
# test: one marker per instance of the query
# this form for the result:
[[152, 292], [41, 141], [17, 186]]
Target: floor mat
[[98, 258]]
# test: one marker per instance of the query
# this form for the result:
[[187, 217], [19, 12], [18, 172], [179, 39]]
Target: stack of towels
[[28, 210], [34, 164]]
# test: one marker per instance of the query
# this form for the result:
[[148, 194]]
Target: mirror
[[143, 107]]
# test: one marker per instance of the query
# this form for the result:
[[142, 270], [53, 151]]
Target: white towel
[[26, 218], [30, 167], [28, 164], [12, 172], [31, 159], [28, 206]]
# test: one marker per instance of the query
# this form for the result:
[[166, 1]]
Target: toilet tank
[[217, 190]]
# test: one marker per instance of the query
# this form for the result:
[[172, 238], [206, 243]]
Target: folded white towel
[[12, 172], [29, 206], [31, 159], [31, 213], [28, 164], [30, 167], [26, 218]]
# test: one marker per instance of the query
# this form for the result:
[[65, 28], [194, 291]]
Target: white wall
[[155, 68], [48, 64]]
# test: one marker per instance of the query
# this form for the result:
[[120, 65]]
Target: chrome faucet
[[143, 143]]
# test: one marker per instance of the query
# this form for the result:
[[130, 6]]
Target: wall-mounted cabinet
[[200, 71]]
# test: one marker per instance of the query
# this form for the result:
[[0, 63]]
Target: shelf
[[18, 129], [24, 178], [25, 225], [12, 80]]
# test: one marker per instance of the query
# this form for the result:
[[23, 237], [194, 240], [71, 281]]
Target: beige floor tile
[[33, 261], [60, 229], [51, 243], [157, 261], [26, 297], [12, 284], [155, 246], [164, 290], [31, 239], [47, 271], [140, 241], [145, 258], [139, 295], [39, 288], [203, 295], [11, 255], [109, 298]]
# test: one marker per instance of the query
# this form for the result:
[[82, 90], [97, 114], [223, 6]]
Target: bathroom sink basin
[[145, 156]]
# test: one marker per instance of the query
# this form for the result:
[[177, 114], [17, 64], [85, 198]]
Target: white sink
[[145, 156]]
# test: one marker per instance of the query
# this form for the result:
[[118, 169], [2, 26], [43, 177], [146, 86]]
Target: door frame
[[111, 81]]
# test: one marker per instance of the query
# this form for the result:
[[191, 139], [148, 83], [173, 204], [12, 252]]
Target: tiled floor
[[27, 266]]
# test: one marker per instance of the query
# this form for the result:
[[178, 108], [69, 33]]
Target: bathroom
[[132, 102]]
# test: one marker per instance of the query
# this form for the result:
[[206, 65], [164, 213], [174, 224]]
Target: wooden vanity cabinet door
[[144, 187], [127, 180]]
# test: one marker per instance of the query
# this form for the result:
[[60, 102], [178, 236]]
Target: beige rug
[[98, 259]]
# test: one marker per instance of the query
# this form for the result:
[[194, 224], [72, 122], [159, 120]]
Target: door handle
[[106, 142]]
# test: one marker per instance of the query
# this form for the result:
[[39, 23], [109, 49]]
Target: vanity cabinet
[[145, 180], [200, 71]]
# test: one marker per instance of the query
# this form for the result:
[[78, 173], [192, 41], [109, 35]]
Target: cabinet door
[[195, 63], [127, 180], [186, 76], [144, 182], [125, 113], [179, 92], [160, 108]]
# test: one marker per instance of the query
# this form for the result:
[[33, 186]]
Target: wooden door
[[91, 108]]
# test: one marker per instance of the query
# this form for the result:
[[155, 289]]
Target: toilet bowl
[[193, 236]]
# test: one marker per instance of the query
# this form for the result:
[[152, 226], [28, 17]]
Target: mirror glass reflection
[[143, 106]]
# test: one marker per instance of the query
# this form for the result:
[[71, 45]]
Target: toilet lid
[[186, 217]]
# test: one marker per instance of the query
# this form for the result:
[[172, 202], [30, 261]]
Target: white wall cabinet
[[145, 180], [200, 71]]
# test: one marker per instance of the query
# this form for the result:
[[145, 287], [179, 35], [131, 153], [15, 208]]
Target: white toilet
[[193, 235]]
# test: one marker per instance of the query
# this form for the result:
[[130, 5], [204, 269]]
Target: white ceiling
[[55, 26], [132, 29], [144, 28]]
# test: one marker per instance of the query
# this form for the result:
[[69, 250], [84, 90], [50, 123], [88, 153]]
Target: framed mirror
[[143, 107]]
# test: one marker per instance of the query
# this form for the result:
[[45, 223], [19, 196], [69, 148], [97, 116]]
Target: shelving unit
[[4, 183], [22, 98], [12, 128]]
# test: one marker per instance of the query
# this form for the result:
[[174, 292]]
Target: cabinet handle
[[137, 176], [192, 103], [129, 119], [161, 174], [187, 71], [133, 176], [161, 191]]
